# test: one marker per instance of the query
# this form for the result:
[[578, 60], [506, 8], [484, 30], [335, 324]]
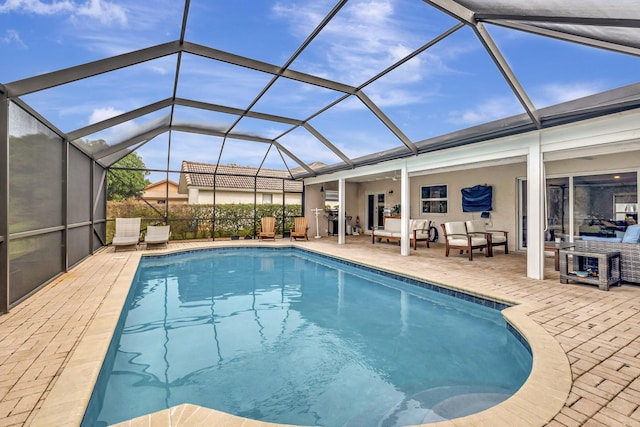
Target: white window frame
[[434, 199]]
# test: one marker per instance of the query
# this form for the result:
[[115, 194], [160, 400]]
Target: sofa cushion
[[392, 224], [601, 239], [632, 235], [422, 225]]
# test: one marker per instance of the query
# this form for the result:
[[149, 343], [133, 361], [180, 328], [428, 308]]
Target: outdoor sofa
[[418, 231], [628, 246]]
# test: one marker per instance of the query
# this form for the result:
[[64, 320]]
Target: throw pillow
[[632, 235]]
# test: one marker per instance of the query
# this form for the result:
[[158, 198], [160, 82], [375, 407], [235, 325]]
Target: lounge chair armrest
[[459, 235], [481, 233], [498, 231]]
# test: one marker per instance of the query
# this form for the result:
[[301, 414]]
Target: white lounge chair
[[478, 228], [157, 235], [456, 237], [127, 233]]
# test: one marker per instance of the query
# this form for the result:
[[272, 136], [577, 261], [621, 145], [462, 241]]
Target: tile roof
[[237, 177]]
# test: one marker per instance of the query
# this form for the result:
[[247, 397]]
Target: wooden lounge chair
[[299, 229], [157, 235], [127, 233], [478, 228], [456, 237], [268, 228]]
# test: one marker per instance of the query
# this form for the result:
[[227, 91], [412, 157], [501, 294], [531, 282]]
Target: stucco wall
[[595, 164], [205, 197], [502, 179]]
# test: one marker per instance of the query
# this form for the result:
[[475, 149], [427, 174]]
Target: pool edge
[[540, 398]]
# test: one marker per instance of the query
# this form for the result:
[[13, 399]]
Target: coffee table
[[608, 267]]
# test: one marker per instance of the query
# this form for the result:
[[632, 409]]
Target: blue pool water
[[287, 336]]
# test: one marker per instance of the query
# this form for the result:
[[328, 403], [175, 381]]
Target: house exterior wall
[[158, 192], [503, 179], [205, 197]]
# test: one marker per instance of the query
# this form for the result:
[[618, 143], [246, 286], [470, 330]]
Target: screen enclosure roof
[[314, 87]]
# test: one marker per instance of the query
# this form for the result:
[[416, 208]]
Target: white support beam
[[341, 211], [405, 212], [535, 211]]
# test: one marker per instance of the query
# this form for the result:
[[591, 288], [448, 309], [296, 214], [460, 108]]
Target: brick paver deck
[[599, 331]]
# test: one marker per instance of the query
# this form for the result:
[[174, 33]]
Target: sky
[[451, 86]]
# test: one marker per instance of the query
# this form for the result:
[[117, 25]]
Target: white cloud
[[492, 109], [363, 39], [36, 7], [100, 114], [555, 93], [105, 12], [12, 37]]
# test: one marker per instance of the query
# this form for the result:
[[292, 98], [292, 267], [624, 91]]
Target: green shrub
[[204, 221]]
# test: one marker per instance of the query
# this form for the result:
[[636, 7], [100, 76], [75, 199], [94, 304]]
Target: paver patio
[[599, 331]]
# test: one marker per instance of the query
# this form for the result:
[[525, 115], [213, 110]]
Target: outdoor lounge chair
[[456, 237], [268, 228], [157, 235], [477, 228], [299, 229], [127, 233]]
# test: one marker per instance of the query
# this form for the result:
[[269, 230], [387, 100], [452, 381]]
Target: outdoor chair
[[456, 237], [478, 228], [127, 233], [299, 229], [157, 235], [268, 228]]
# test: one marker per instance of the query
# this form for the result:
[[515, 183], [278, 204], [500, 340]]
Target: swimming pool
[[287, 336]]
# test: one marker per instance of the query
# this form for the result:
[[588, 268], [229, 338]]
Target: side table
[[608, 264]]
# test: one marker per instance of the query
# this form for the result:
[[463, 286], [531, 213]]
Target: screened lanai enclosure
[[104, 100]]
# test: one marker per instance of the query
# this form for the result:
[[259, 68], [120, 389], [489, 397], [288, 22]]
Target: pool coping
[[537, 402]]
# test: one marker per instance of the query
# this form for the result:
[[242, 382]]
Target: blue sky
[[451, 86]]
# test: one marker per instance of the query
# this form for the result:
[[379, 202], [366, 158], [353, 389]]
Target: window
[[267, 198], [434, 198], [162, 202]]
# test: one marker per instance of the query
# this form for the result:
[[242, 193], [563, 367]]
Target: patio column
[[405, 212], [341, 213], [4, 205], [535, 210]]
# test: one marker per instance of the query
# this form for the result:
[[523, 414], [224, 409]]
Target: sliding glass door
[[599, 205]]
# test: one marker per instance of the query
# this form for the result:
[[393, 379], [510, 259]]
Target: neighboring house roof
[[234, 177], [161, 183]]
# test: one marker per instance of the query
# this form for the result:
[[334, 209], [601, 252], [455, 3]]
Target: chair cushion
[[421, 234], [632, 235], [392, 224], [419, 224], [456, 227], [475, 241], [476, 226], [498, 238]]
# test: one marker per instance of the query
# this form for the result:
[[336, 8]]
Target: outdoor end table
[[608, 265], [555, 247]]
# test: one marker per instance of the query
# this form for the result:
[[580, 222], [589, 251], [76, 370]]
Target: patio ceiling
[[322, 87]]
